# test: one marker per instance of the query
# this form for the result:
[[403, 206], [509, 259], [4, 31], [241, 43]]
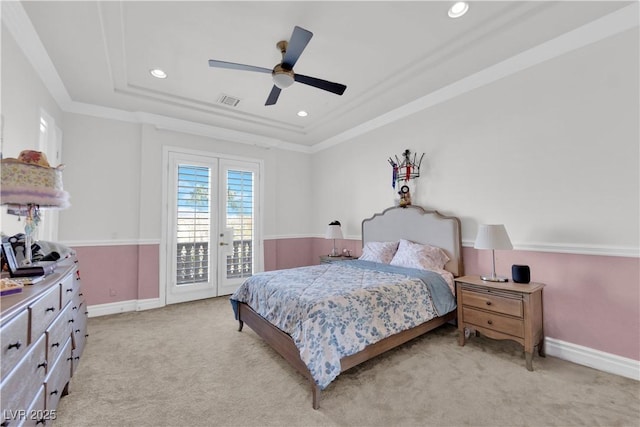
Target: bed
[[387, 305]]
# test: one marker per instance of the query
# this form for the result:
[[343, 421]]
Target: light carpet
[[187, 365]]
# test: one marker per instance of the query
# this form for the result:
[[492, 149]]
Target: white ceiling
[[388, 54]]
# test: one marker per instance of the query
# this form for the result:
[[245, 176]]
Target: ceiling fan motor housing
[[281, 77]]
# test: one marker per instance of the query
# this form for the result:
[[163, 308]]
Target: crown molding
[[21, 28]]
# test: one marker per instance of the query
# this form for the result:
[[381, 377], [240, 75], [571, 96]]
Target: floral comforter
[[335, 310]]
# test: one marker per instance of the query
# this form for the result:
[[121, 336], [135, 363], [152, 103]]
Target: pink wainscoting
[[148, 271], [592, 301], [589, 300], [288, 253], [109, 273], [119, 273]]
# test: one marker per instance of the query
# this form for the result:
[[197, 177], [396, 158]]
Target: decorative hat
[[30, 179]]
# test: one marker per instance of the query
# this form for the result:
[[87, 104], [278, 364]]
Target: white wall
[[102, 176], [552, 152], [115, 179], [23, 95]]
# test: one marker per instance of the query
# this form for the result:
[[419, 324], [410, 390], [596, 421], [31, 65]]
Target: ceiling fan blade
[[234, 66], [336, 88], [273, 96], [299, 40]]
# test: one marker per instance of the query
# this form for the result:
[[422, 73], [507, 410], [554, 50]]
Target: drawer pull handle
[[70, 321], [55, 344], [15, 345], [77, 330], [86, 335], [490, 322], [50, 309], [54, 392], [41, 421], [69, 359], [488, 302], [77, 358], [70, 290], [43, 365]]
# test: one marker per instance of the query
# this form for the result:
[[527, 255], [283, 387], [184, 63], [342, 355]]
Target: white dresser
[[42, 336]]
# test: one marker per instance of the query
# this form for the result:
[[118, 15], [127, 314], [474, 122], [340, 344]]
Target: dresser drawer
[[58, 377], [19, 388], [493, 321], [43, 311], [79, 337], [68, 287], [59, 332], [14, 338], [36, 415], [492, 302], [78, 299]]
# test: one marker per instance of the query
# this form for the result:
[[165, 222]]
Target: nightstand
[[502, 310], [325, 259]]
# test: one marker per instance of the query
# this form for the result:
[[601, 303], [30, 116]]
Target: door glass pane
[[193, 224], [240, 217]]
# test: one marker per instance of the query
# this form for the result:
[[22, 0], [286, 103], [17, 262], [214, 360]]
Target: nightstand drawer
[[497, 304], [495, 322]]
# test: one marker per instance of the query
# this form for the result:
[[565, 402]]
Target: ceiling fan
[[282, 73]]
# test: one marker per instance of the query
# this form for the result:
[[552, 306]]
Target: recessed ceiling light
[[302, 113], [458, 9], [158, 73]]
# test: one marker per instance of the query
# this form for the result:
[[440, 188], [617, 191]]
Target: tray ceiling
[[388, 54]]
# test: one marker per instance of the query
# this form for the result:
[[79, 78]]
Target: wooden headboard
[[420, 226]]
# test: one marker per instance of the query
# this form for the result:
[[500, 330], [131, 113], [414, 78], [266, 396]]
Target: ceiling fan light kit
[[282, 78], [283, 74]]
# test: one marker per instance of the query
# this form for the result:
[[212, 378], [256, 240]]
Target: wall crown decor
[[407, 169]]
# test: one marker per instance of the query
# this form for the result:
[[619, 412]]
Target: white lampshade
[[333, 232], [492, 236]]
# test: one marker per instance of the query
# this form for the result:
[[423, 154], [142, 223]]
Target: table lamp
[[334, 232], [493, 236], [29, 184]]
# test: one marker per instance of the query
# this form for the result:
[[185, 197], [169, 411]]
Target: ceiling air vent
[[228, 100]]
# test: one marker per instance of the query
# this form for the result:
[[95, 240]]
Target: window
[[193, 224]]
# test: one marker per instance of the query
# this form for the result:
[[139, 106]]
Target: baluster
[[199, 263], [181, 262], [190, 257]]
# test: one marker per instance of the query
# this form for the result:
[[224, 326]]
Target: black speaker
[[520, 273]]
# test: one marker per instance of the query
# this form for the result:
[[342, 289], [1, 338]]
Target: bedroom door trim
[[218, 283]]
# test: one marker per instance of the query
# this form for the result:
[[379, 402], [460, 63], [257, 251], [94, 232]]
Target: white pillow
[[379, 251], [416, 255]]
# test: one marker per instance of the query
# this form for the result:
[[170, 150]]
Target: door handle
[[224, 244]]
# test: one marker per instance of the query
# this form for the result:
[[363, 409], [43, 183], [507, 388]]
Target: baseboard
[[123, 307], [596, 359]]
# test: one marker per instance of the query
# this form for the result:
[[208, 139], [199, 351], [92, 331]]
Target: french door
[[212, 232]]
